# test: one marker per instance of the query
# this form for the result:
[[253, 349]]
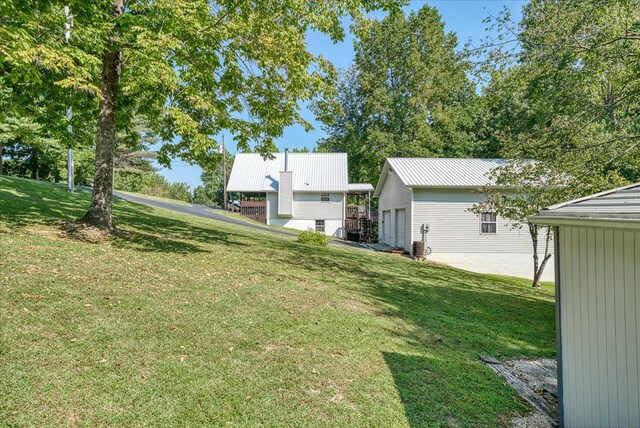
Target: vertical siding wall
[[456, 230], [307, 206], [600, 324], [395, 195], [285, 193]]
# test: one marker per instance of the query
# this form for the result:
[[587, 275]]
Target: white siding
[[306, 208], [272, 206], [400, 229], [285, 194], [395, 195], [331, 227], [508, 264], [599, 273], [385, 227], [453, 229]]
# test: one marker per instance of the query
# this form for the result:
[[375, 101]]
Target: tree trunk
[[99, 214], [35, 173], [538, 275], [538, 268], [1, 147]]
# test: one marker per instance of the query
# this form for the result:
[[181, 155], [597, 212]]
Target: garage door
[[386, 227], [400, 229]]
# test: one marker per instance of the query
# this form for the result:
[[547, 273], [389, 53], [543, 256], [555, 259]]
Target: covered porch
[[254, 206], [359, 217]]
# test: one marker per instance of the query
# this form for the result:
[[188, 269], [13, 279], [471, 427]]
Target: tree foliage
[[568, 91], [563, 90], [212, 190], [407, 94], [189, 68]]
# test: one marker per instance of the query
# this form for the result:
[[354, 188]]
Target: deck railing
[[357, 211], [255, 210]]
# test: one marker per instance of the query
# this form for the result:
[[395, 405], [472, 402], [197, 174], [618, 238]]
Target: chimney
[[286, 159], [285, 189]]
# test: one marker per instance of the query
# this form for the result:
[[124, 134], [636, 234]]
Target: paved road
[[206, 212]]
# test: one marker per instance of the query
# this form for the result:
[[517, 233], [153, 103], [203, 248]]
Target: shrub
[[312, 237]]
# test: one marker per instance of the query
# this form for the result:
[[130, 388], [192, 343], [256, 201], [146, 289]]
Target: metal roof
[[440, 172], [360, 187], [312, 172], [622, 203]]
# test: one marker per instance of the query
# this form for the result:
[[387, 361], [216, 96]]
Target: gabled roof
[[440, 172], [360, 187], [312, 172], [621, 205]]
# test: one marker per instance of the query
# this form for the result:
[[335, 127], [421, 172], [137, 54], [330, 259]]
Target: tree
[[407, 94], [563, 90], [133, 159], [33, 109], [213, 184], [200, 196], [190, 68], [526, 187], [568, 90]]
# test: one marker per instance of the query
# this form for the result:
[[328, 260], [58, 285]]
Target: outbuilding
[[430, 199], [302, 191], [597, 259]]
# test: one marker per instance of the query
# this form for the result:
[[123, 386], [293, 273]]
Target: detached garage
[[430, 199], [597, 259]]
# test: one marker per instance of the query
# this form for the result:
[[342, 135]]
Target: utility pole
[[70, 164], [224, 173]]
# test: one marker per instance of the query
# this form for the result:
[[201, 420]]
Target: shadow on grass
[[465, 311], [36, 202], [414, 377], [472, 313], [445, 319], [147, 224]]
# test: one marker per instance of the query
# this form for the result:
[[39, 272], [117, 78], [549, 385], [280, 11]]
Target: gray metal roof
[[312, 172], [360, 187], [440, 172], [620, 203]]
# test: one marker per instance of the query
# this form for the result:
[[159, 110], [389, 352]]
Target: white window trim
[[324, 226], [488, 222]]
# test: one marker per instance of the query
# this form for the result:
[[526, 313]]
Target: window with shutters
[[488, 223]]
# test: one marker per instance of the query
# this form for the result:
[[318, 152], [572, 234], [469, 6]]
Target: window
[[488, 222], [324, 197], [320, 226]]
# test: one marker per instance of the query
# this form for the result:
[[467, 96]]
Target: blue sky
[[463, 17]]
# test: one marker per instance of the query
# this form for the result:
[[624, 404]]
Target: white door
[[386, 227], [400, 229]]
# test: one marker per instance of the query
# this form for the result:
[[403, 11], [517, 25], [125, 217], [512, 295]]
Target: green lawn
[[187, 322]]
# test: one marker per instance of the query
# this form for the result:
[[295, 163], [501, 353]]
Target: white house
[[437, 193], [597, 256], [296, 190]]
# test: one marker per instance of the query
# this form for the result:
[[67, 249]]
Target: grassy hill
[[180, 321]]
